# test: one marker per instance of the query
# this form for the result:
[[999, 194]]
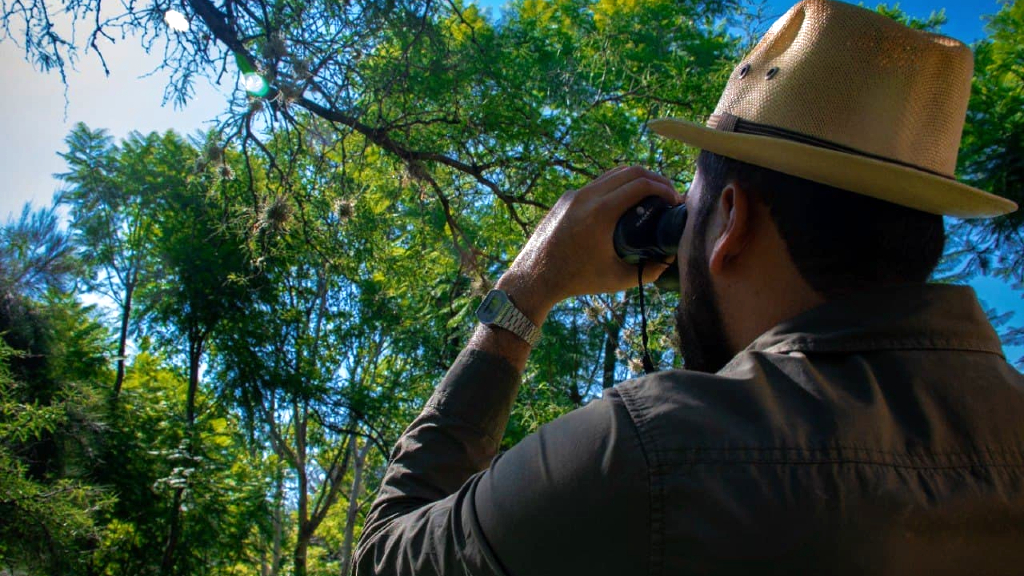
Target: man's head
[[762, 246], [835, 144]]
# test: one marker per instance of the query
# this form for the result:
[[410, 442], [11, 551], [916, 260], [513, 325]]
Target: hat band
[[730, 123]]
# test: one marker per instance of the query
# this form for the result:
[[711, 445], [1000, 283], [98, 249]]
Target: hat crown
[[850, 76]]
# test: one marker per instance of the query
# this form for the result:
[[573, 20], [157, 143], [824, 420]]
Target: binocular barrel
[[649, 231]]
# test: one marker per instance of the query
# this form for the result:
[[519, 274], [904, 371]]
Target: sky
[[35, 117]]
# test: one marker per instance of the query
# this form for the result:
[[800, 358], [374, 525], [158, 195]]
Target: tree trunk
[[611, 344], [195, 355], [353, 505], [302, 536], [122, 339], [170, 547], [300, 556], [278, 524]]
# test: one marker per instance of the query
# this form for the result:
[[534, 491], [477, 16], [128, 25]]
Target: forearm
[[531, 512], [455, 436]]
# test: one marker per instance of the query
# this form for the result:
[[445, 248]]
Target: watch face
[[491, 306]]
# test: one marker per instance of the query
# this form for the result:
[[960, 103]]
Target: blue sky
[[965, 17], [34, 118]]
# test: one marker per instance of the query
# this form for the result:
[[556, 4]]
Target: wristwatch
[[498, 310]]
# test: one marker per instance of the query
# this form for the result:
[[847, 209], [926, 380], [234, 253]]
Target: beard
[[702, 340]]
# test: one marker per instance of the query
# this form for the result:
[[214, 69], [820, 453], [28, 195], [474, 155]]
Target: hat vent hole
[[743, 70], [771, 73]]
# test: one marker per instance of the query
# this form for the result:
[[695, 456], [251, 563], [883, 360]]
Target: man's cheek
[[683, 252]]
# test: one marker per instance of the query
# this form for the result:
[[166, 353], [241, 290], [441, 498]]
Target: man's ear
[[735, 216]]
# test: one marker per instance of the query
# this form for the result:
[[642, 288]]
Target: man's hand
[[571, 252]]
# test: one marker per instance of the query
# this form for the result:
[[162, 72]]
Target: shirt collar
[[902, 317]]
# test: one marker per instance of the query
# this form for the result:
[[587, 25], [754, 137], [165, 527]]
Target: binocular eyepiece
[[650, 232]]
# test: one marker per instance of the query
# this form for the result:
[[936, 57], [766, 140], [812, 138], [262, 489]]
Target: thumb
[[653, 270]]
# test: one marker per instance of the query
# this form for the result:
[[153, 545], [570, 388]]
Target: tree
[[992, 158], [296, 373], [45, 520], [36, 255], [50, 366], [224, 483], [509, 111], [111, 194], [483, 124], [206, 279]]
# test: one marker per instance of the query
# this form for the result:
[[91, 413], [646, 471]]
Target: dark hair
[[840, 241]]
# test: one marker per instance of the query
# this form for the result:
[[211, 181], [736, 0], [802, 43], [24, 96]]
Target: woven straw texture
[[857, 78]]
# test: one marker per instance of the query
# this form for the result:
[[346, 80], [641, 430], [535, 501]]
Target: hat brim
[[883, 180]]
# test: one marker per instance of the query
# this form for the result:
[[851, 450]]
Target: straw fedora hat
[[847, 97]]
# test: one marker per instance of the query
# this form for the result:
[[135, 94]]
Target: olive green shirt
[[882, 433]]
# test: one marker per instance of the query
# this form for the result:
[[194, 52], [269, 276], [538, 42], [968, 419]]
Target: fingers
[[618, 177], [631, 193], [572, 247], [609, 175], [618, 190]]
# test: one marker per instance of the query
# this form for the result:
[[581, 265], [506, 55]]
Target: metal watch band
[[516, 322], [498, 310]]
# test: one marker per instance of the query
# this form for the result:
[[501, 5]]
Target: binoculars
[[650, 232]]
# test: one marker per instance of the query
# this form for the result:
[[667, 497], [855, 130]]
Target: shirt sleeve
[[571, 498]]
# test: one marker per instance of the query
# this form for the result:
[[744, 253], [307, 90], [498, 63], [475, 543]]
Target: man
[[838, 415]]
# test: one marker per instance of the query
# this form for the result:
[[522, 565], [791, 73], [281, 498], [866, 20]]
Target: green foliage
[[45, 524], [110, 193], [933, 23], [992, 156], [203, 264], [992, 159], [36, 255], [48, 438], [224, 482]]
